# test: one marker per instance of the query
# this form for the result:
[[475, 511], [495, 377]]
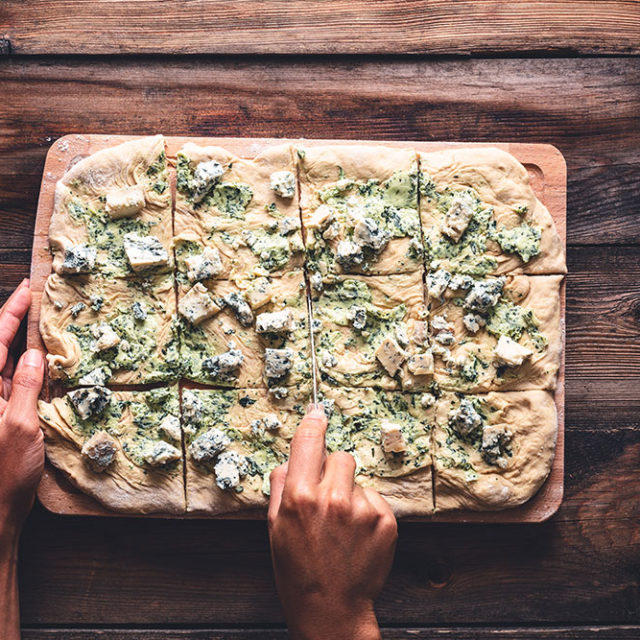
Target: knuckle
[[389, 525], [338, 504], [299, 498], [344, 459]]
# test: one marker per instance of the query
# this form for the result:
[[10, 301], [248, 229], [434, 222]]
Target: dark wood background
[[566, 73]]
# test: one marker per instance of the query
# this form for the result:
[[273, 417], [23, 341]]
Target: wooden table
[[567, 73]]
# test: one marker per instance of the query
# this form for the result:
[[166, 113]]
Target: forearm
[[9, 609]]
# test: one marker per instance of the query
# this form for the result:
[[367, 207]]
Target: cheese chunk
[[90, 401], [349, 254], [230, 467], [170, 428], [208, 445], [421, 364], [197, 305], [224, 363], [276, 322], [271, 422], [277, 362], [80, 258], [390, 355], [144, 252], [205, 176], [367, 233], [391, 437], [205, 265], [126, 202], [161, 453], [458, 217], [259, 294], [106, 337], [320, 218], [511, 353], [99, 451], [283, 183]]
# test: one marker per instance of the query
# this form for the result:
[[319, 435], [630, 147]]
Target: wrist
[[338, 621], [9, 530]]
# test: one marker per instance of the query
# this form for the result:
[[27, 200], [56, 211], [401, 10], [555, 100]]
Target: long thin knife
[[314, 373]]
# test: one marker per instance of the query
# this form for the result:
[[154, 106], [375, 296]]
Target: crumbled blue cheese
[[283, 183], [495, 440], [316, 282], [484, 294], [458, 216], [392, 438], [367, 233], [320, 218], [328, 360], [445, 337], [238, 304], [57, 305], [229, 468], [349, 254], [358, 317], [99, 451], [437, 282], [259, 294], [144, 252], [271, 422], [279, 393], [427, 400], [204, 266], [225, 363], [275, 322], [461, 282], [95, 377], [473, 322], [105, 336], [96, 302], [401, 335], [205, 176], [80, 258], [161, 453], [90, 401], [139, 310], [170, 428], [208, 445], [511, 353], [278, 362], [197, 305], [192, 408], [289, 225], [440, 323], [77, 308], [465, 419], [420, 333], [421, 364], [125, 202], [332, 231], [390, 355]]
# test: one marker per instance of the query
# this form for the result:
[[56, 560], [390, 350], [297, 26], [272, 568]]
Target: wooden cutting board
[[548, 176]]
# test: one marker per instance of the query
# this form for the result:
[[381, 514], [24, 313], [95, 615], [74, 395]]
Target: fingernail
[[33, 358], [25, 283], [314, 409]]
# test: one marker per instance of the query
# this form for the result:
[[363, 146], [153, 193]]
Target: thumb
[[21, 410]]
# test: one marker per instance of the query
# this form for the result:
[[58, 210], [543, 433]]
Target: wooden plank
[[474, 100], [580, 567], [333, 26], [415, 633], [547, 171]]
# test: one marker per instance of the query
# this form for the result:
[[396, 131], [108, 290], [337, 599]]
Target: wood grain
[[429, 633], [331, 26], [587, 108], [582, 568]]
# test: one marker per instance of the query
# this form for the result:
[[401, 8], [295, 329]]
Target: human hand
[[21, 440], [332, 542]]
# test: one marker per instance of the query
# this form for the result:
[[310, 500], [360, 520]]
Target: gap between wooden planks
[[548, 176]]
